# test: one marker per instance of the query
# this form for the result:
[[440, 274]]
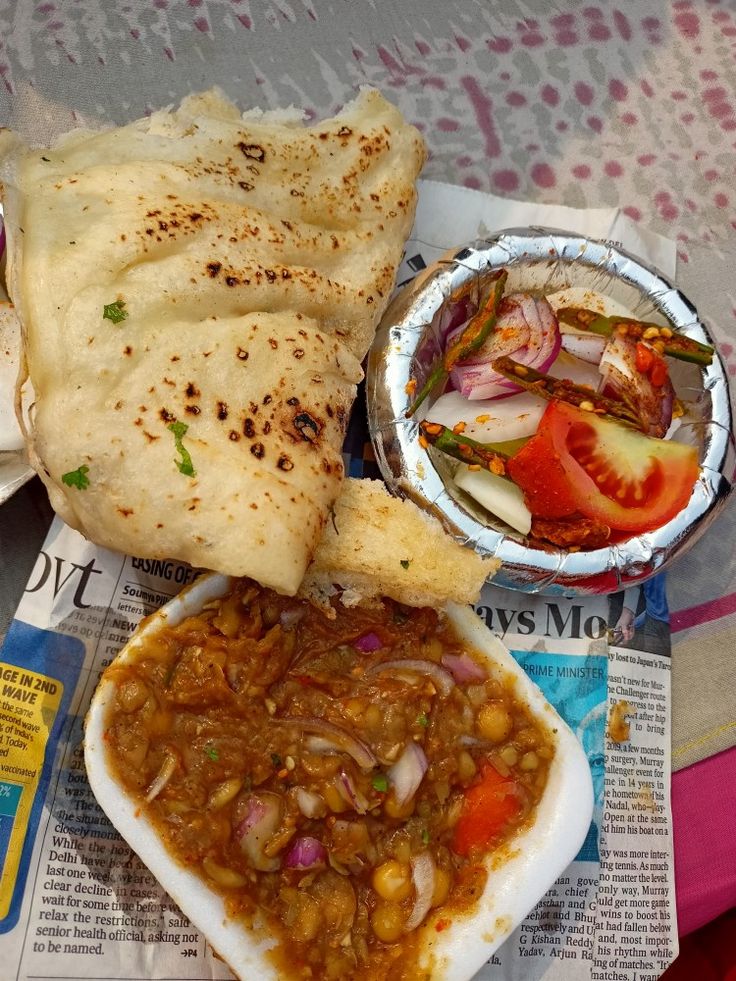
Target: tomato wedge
[[579, 462], [488, 806]]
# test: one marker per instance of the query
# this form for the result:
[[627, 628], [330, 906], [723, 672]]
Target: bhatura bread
[[378, 545], [196, 292]]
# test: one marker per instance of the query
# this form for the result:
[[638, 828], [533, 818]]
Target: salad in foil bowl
[[558, 404]]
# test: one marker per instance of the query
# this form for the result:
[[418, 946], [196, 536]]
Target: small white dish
[[520, 873], [409, 338]]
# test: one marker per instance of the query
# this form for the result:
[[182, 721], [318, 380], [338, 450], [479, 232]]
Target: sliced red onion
[[456, 313], [407, 772], [306, 853], [510, 334], [162, 777], [350, 793], [333, 739], [463, 668], [261, 821], [587, 347], [621, 379], [368, 643], [423, 876], [309, 803], [509, 337], [476, 380], [442, 679], [533, 315]]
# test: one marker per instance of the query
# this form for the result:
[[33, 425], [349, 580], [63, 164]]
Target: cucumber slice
[[499, 495]]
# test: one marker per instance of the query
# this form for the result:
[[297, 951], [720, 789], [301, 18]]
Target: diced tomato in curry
[[405, 763]]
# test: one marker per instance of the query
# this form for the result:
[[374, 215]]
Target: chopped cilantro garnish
[[405, 563], [425, 836], [380, 783], [114, 311], [212, 752], [276, 760], [185, 465], [77, 478], [422, 719]]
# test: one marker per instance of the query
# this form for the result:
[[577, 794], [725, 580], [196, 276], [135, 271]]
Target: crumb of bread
[[379, 545], [619, 727]]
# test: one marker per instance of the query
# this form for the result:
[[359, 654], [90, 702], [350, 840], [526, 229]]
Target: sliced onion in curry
[[306, 853], [368, 642], [332, 738], [350, 794], [262, 818], [423, 876], [311, 804], [463, 668], [163, 776], [408, 772], [413, 670]]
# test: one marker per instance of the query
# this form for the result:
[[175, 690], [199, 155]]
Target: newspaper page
[[75, 902], [611, 916]]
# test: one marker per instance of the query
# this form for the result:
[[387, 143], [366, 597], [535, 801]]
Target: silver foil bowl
[[546, 260]]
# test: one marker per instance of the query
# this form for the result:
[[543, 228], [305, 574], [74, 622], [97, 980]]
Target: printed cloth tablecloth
[[625, 104]]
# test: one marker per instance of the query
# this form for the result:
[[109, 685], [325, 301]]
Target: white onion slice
[[619, 374], [423, 875], [310, 803], [498, 495], [581, 296], [416, 669], [573, 369], [407, 772], [580, 344], [162, 777], [491, 420]]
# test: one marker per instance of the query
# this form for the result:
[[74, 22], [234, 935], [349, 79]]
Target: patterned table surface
[[626, 104]]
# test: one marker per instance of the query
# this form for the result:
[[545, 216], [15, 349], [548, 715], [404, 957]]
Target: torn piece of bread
[[380, 545]]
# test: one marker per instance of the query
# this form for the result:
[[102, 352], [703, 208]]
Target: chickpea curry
[[342, 779]]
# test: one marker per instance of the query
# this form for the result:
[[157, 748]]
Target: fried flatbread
[[196, 292]]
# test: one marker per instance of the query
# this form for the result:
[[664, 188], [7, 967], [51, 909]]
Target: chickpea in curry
[[342, 779]]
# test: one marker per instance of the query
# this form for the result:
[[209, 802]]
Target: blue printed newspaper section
[[40, 670], [577, 687]]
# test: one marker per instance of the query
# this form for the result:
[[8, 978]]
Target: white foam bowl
[[528, 865]]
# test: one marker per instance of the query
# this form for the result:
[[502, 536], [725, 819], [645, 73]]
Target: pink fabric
[[704, 818]]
